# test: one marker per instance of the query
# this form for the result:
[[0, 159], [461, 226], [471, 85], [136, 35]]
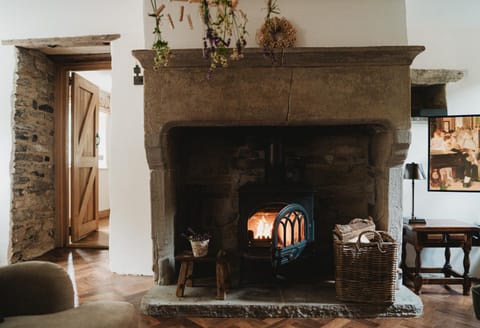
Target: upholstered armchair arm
[[34, 287]]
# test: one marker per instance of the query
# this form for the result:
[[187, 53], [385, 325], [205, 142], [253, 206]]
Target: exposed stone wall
[[33, 194]]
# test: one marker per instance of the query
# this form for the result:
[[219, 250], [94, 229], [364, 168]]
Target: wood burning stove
[[276, 218], [276, 223]]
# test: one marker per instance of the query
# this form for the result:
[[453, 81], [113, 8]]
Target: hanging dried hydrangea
[[162, 50], [223, 22], [275, 33]]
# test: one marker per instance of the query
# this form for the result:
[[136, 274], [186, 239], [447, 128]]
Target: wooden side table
[[438, 234], [222, 270]]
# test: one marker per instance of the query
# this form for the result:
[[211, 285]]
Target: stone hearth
[[319, 88], [299, 301]]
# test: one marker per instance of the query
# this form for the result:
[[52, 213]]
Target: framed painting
[[454, 153]]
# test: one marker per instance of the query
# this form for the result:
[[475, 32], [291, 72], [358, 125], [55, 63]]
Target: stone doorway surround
[[39, 165], [306, 87]]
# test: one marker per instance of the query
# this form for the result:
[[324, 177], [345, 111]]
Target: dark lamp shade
[[413, 171]]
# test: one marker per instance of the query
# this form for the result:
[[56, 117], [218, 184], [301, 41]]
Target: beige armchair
[[40, 294]]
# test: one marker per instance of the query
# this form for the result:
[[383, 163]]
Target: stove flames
[[290, 229], [260, 225]]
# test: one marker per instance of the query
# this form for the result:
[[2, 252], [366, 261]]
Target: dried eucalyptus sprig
[[162, 50], [226, 23]]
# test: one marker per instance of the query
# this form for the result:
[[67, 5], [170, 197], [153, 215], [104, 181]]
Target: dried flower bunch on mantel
[[276, 32], [224, 37], [223, 21], [225, 31], [162, 50]]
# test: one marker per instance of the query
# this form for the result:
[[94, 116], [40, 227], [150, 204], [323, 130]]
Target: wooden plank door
[[84, 113]]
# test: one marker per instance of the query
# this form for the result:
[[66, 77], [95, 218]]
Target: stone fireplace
[[343, 115]]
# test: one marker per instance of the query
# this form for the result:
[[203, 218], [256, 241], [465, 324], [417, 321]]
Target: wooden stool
[[222, 272]]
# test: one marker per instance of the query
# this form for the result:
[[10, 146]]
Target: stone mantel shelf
[[295, 57]]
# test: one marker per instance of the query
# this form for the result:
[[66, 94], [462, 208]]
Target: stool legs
[[222, 273], [223, 279], [184, 277], [189, 281]]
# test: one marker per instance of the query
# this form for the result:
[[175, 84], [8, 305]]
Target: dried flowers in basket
[[162, 50], [276, 32], [223, 21], [198, 241]]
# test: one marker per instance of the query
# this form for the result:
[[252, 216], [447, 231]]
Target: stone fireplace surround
[[323, 87]]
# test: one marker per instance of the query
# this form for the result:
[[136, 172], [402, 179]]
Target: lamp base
[[416, 220]]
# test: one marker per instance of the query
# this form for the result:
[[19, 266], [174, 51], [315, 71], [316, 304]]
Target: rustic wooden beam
[[103, 60], [64, 42]]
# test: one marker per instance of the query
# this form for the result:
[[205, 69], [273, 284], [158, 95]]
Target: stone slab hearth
[[299, 301]]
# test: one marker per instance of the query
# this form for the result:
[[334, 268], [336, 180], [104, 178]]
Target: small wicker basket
[[199, 247], [366, 272]]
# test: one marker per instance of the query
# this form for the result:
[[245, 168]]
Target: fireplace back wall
[[213, 163]]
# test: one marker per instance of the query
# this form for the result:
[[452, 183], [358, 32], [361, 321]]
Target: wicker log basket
[[366, 271]]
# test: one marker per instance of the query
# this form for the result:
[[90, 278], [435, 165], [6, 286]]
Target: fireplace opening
[[234, 181]]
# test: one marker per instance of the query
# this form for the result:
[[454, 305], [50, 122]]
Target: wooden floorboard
[[96, 239], [89, 269]]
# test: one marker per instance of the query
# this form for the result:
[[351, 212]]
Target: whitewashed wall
[[130, 242], [319, 23], [449, 30]]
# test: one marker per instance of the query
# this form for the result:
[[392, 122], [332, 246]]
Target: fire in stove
[[260, 225], [290, 229]]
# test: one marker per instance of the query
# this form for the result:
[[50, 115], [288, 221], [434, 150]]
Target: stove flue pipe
[[275, 160]]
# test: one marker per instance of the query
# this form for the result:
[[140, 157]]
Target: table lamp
[[414, 171]]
